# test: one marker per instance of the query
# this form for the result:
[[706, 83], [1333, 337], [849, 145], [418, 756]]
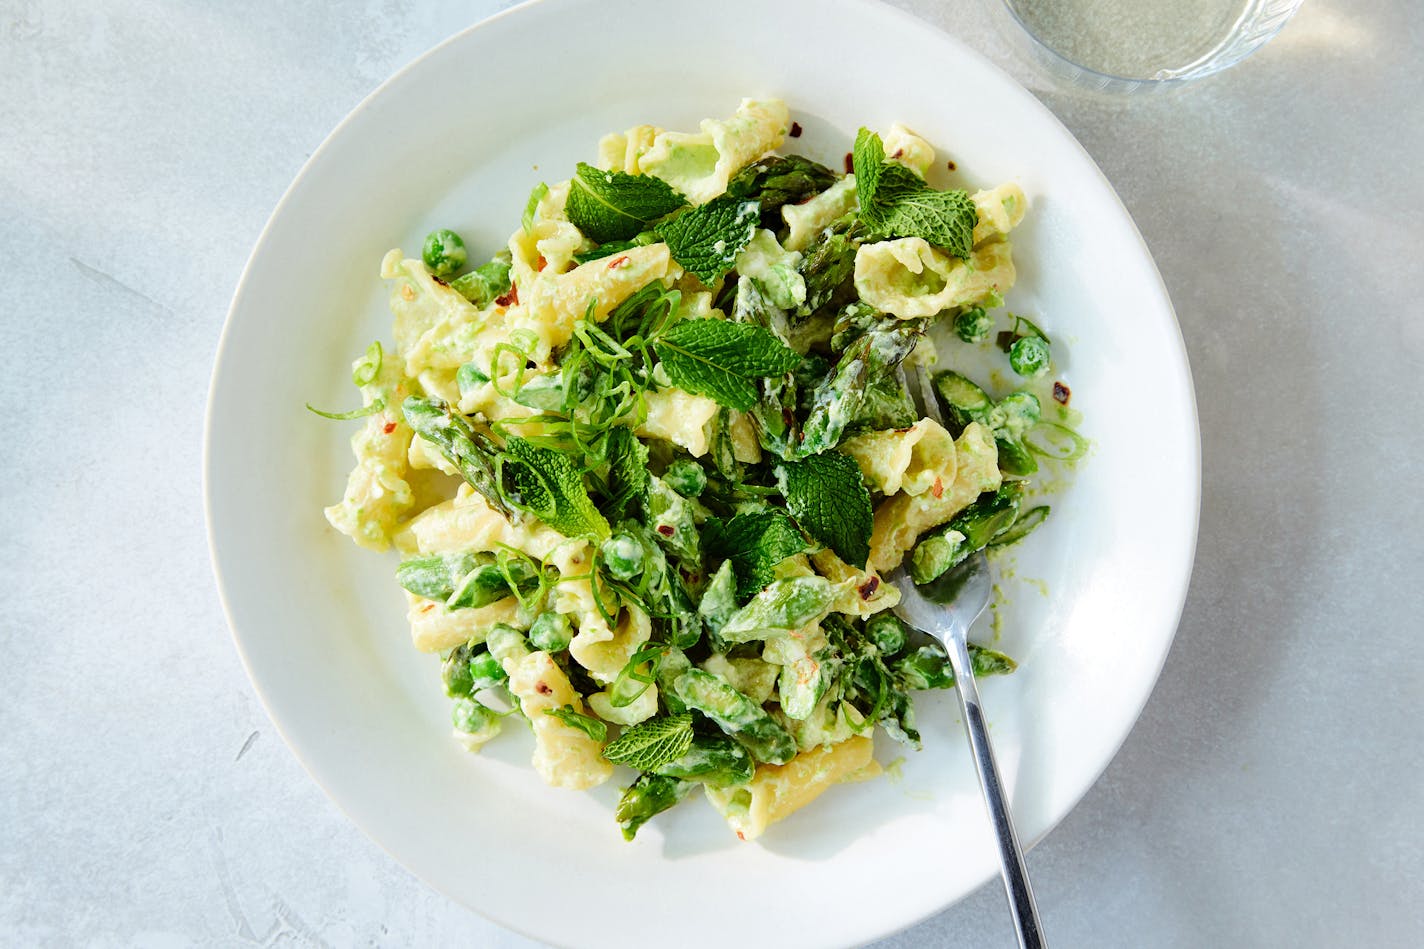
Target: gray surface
[[1271, 793]]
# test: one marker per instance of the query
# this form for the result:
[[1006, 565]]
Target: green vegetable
[[1022, 527], [622, 556], [1029, 356], [368, 367], [1056, 441], [652, 744], [839, 399], [715, 760], [486, 672], [721, 359], [774, 414], [973, 325], [671, 518], [491, 582], [627, 474], [804, 681], [435, 576], [641, 239], [649, 795], [929, 668], [896, 202], [828, 267], [737, 715], [614, 206], [444, 253], [546, 484], [590, 726], [828, 497], [969, 530], [532, 205], [784, 606], [707, 239], [455, 670], [719, 599], [774, 181], [371, 409], [551, 632], [753, 544], [963, 402], [471, 717], [887, 633], [487, 282], [686, 477], [472, 453], [470, 377]]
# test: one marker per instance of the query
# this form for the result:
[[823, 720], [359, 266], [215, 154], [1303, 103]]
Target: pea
[[485, 672], [623, 556], [973, 325], [686, 478], [444, 253], [1029, 356], [551, 632], [887, 633], [470, 716]]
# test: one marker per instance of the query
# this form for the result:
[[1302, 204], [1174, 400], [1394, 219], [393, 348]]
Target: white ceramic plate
[[457, 140]]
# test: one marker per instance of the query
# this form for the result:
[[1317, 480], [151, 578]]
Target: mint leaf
[[707, 239], [653, 743], [628, 474], [896, 202], [614, 206], [754, 544], [545, 483], [867, 160], [827, 496], [720, 359], [532, 205], [590, 726]]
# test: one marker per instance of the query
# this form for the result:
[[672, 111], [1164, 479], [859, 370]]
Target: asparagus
[[964, 402], [839, 399], [736, 715], [970, 530], [472, 453], [775, 181], [714, 760], [650, 794], [929, 668]]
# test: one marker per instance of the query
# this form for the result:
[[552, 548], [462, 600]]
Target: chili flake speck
[[868, 588], [390, 427], [617, 262], [1061, 393], [795, 130], [666, 530]]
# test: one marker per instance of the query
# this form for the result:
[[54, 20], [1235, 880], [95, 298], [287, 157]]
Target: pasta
[[664, 465]]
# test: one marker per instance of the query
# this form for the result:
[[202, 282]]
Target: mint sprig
[[828, 497], [653, 743], [721, 360], [707, 239], [545, 483], [896, 202], [754, 544], [628, 474], [615, 206]]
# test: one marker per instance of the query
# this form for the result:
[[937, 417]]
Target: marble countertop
[[1271, 793]]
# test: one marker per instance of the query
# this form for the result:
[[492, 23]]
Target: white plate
[[457, 140]]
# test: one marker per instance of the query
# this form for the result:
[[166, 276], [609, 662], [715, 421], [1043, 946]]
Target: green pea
[[455, 672], [444, 253], [470, 377], [887, 633], [485, 672], [551, 632], [686, 478], [1020, 412], [470, 716], [973, 325], [623, 556], [1029, 356]]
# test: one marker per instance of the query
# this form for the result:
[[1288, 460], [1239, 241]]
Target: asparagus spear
[[715, 760], [775, 181], [736, 715], [472, 453], [829, 265], [838, 400], [969, 530], [650, 794]]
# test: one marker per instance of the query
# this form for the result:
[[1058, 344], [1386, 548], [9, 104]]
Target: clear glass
[[1139, 45]]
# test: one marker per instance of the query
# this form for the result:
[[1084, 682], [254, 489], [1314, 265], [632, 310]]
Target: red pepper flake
[[427, 608], [849, 163], [1061, 393], [543, 688], [617, 262], [436, 278], [938, 489], [741, 836], [795, 129], [666, 530], [511, 298], [868, 588], [953, 166], [899, 153], [390, 427], [542, 263]]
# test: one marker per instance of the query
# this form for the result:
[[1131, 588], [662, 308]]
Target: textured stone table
[[1272, 792]]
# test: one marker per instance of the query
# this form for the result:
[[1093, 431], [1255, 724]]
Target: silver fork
[[944, 609]]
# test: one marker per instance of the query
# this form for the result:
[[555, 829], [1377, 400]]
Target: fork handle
[[1016, 886]]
